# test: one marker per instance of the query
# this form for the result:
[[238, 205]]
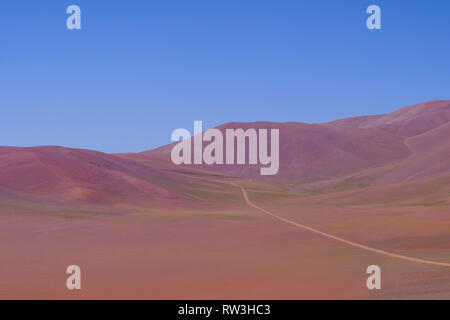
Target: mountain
[[81, 176], [405, 122], [424, 129], [410, 144]]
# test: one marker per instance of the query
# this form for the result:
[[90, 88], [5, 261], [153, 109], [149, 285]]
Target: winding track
[[348, 242]]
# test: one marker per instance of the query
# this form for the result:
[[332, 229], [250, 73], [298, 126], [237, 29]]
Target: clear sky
[[138, 69]]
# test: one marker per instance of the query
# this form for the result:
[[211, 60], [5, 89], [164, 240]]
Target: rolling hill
[[409, 144]]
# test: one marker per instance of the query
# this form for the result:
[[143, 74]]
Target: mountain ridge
[[408, 144]]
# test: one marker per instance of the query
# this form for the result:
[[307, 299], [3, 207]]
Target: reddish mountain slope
[[82, 176], [426, 130], [409, 144], [313, 152], [407, 121], [430, 157]]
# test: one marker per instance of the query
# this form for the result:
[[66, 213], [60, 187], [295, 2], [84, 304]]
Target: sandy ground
[[235, 254]]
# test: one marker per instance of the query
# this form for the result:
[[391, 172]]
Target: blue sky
[[140, 69]]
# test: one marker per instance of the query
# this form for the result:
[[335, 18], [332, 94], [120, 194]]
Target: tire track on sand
[[330, 236]]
